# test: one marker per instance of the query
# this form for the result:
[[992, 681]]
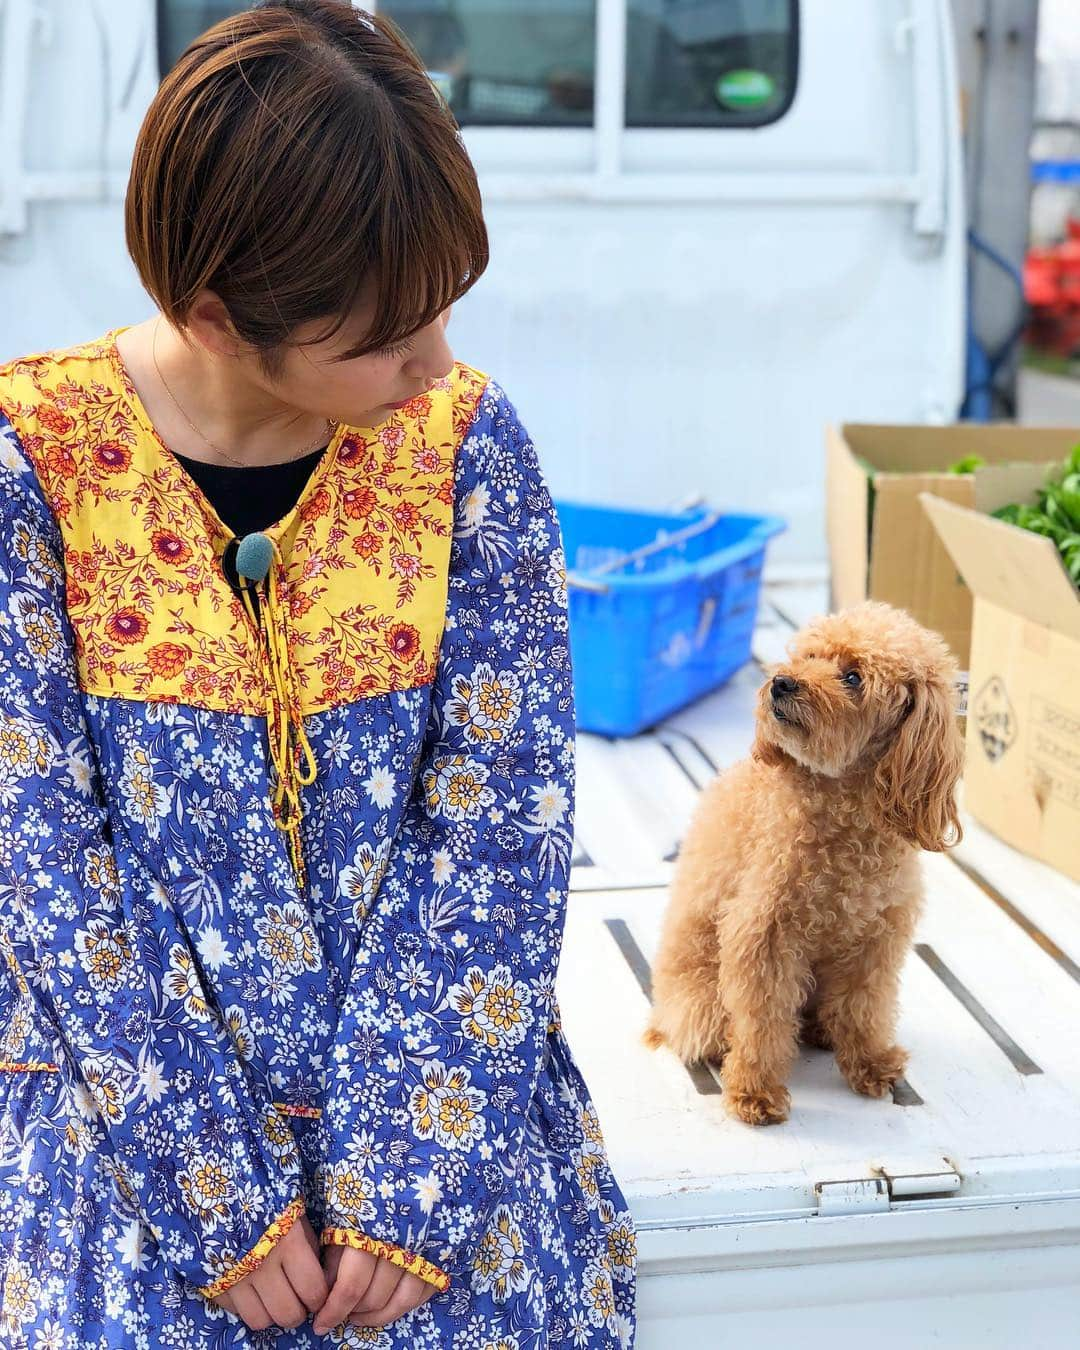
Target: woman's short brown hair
[[294, 150]]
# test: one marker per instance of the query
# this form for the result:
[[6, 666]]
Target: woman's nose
[[436, 360]]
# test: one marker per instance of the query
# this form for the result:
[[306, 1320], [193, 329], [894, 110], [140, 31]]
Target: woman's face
[[363, 391], [367, 389]]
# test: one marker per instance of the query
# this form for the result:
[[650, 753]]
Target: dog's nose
[[784, 684]]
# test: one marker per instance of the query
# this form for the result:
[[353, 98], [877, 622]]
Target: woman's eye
[[399, 350], [852, 678]]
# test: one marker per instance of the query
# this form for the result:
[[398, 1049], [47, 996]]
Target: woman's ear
[[915, 780]]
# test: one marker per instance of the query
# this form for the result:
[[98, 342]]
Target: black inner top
[[250, 498]]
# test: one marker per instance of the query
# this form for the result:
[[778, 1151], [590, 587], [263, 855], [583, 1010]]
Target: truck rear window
[[689, 63]]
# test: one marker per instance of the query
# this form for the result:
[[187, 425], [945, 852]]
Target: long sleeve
[[444, 1026], [102, 957]]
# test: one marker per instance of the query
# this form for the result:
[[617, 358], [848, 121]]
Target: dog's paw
[[769, 1106], [875, 1075], [652, 1038]]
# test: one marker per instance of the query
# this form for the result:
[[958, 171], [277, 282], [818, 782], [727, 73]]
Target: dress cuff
[[258, 1253], [397, 1256]]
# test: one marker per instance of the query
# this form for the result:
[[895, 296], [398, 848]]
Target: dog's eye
[[852, 679]]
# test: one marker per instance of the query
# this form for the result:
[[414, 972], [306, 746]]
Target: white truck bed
[[948, 1215]]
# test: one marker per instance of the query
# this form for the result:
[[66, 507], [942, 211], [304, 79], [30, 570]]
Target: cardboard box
[[1022, 772], [881, 542]]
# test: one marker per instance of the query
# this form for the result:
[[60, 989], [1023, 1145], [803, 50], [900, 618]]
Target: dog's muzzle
[[783, 687]]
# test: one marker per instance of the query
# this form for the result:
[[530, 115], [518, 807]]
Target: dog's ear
[[915, 780]]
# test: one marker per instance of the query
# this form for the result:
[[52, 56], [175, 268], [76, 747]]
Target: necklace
[[245, 464]]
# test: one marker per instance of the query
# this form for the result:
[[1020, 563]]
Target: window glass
[[506, 62], [689, 63], [499, 62], [704, 63], [179, 23]]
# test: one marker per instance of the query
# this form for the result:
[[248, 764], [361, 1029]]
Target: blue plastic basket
[[651, 632]]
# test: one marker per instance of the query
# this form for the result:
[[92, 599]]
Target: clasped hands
[[337, 1284]]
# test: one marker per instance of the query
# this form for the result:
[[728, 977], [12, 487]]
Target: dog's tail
[[652, 1038]]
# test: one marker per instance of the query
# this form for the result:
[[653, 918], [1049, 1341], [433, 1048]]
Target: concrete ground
[[1048, 400]]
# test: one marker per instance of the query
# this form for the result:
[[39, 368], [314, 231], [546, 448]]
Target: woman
[[287, 760]]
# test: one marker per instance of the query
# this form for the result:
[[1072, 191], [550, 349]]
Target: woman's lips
[[403, 402]]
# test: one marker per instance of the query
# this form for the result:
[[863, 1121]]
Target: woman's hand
[[286, 1287], [367, 1290]]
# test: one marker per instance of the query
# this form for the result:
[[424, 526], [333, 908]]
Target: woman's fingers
[[379, 1292], [285, 1288], [250, 1307], [280, 1301], [410, 1293], [351, 1279], [304, 1272]]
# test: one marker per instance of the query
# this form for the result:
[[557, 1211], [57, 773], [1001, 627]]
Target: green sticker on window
[[741, 90]]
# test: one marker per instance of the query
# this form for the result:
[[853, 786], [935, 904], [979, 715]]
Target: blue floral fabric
[[190, 1046]]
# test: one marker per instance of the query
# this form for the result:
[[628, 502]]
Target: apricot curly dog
[[797, 887]]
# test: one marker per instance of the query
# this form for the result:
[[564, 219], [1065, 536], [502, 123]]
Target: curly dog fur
[[797, 887]]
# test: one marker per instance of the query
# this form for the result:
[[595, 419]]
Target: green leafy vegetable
[[1055, 515], [968, 464]]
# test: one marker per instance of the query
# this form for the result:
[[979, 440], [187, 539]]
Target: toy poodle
[[797, 887]]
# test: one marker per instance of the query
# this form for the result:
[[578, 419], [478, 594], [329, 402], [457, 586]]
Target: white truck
[[716, 225]]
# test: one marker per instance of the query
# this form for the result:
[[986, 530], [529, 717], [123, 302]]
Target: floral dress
[[283, 878]]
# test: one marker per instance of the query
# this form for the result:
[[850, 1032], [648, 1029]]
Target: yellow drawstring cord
[[283, 714]]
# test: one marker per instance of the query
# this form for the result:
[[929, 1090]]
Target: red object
[[1052, 291]]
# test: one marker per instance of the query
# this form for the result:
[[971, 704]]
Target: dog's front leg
[[764, 978], [858, 1001]]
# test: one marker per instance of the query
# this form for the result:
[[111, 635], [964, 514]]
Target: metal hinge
[[874, 1194]]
